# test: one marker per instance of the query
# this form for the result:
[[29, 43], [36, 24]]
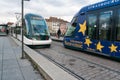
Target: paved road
[[87, 66]]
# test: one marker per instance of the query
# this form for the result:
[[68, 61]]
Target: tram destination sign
[[104, 4], [36, 17]]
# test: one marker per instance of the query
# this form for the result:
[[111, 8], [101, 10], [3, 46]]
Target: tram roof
[[31, 14], [103, 4]]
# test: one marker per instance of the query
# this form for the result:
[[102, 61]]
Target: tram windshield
[[2, 30], [39, 26], [70, 30]]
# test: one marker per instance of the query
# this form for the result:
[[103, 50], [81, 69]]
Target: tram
[[36, 31], [96, 28], [3, 29]]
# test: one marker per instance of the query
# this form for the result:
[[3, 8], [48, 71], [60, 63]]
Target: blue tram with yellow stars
[[96, 28]]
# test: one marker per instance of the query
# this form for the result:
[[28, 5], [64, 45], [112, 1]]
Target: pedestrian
[[58, 33]]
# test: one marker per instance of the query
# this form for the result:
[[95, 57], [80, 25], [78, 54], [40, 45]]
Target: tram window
[[118, 27], [92, 26], [105, 23], [25, 29], [71, 27], [74, 21]]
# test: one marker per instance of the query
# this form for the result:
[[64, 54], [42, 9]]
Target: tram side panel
[[96, 29]]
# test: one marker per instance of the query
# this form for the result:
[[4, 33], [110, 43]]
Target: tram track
[[88, 54], [86, 70], [92, 63], [88, 61], [61, 66]]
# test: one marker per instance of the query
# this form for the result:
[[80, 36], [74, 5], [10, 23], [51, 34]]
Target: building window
[[92, 26], [105, 23]]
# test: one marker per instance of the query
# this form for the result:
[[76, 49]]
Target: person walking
[[58, 33]]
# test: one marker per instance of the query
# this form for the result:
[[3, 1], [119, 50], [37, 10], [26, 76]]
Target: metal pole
[[23, 55]]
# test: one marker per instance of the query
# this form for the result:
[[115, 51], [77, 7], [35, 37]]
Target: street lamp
[[18, 15], [23, 55]]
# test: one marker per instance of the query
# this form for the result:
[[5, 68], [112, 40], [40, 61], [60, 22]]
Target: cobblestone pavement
[[87, 66]]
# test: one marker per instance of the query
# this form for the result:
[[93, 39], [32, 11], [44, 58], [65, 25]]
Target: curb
[[57, 40], [49, 70]]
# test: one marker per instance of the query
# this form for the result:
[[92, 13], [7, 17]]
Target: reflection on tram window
[[92, 27], [39, 27], [70, 30], [105, 25], [118, 27]]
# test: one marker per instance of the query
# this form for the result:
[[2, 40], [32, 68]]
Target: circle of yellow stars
[[99, 46]]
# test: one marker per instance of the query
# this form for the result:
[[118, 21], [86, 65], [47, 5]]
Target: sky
[[64, 9]]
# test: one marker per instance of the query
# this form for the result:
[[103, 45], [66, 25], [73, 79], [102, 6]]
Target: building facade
[[55, 23]]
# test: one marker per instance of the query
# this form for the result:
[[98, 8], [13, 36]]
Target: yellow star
[[99, 46], [113, 48], [88, 42], [82, 28]]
